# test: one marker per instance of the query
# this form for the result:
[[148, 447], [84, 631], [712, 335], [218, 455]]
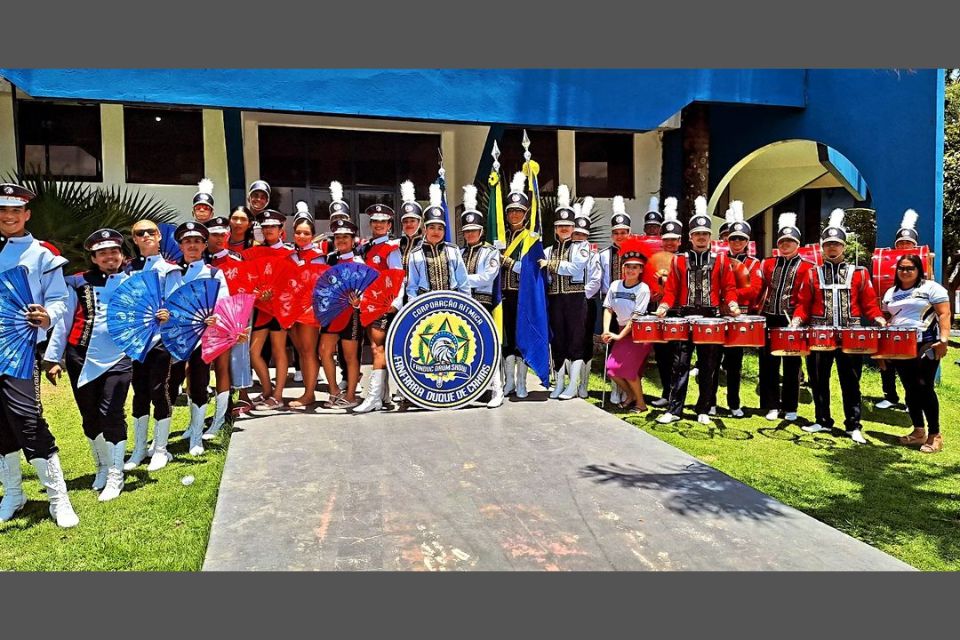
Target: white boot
[[558, 385], [374, 399], [496, 386], [386, 396], [616, 396], [509, 370], [521, 378], [12, 481], [160, 457], [219, 415], [98, 449], [573, 388], [51, 477], [197, 416], [585, 379], [114, 471], [140, 427]]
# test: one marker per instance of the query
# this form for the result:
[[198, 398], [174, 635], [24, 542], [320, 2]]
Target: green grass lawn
[[890, 496], [157, 523]]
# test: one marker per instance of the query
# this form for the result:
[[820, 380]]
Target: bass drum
[[885, 265]]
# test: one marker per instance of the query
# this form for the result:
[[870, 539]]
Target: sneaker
[[703, 418], [713, 410], [694, 373], [773, 414], [812, 428], [884, 404], [660, 403], [667, 418], [736, 413], [857, 437], [790, 416], [298, 376]]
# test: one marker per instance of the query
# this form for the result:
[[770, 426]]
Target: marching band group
[[693, 295]]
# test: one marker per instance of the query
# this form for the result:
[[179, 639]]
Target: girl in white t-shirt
[[923, 305], [626, 299]]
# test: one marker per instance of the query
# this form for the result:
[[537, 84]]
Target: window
[[60, 140], [163, 146], [543, 147], [605, 164]]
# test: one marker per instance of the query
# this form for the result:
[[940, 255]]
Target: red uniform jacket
[[220, 260], [783, 279], [714, 286], [748, 295], [838, 295]]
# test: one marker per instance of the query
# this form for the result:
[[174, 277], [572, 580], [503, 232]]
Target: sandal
[[917, 436], [296, 405], [933, 444], [640, 409], [267, 405], [626, 404]]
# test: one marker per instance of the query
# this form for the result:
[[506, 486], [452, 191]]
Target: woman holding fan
[[305, 335]]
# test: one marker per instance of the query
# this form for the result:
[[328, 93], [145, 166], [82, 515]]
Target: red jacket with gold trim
[[838, 295], [709, 284]]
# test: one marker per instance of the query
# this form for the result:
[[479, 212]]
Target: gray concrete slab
[[534, 485]]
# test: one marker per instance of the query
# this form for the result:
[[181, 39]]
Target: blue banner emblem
[[442, 350]]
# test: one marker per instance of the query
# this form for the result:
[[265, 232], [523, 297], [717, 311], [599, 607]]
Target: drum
[[647, 329], [746, 331], [789, 341], [676, 329], [823, 338], [855, 340], [811, 252], [719, 246], [897, 343], [708, 330], [884, 267]]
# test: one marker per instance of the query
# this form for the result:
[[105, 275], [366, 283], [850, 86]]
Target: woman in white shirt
[[923, 305], [627, 298]]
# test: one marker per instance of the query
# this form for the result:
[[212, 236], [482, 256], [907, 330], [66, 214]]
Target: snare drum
[[746, 331], [708, 330], [647, 329], [823, 338], [789, 341], [865, 340], [676, 329], [897, 343]]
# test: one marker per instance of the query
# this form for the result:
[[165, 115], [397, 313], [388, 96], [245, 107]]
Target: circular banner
[[442, 350]]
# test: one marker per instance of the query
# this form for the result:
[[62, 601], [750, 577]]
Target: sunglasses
[[142, 233], [906, 268]]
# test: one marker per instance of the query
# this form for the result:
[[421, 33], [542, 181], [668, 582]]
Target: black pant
[[773, 394], [151, 385], [567, 312], [199, 378], [21, 418], [587, 353], [664, 353], [849, 371], [510, 324], [888, 379], [708, 359], [731, 361], [101, 401], [919, 376]]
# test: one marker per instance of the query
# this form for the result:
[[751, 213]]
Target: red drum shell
[[789, 341], [884, 265], [859, 340], [746, 331], [897, 343], [708, 330], [823, 338], [647, 329], [676, 329]]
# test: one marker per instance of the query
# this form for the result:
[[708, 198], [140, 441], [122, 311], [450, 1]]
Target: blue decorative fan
[[132, 314], [189, 306], [169, 248], [331, 294], [18, 339]]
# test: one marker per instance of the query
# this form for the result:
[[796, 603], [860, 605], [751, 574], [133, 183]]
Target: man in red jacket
[[838, 294], [700, 283]]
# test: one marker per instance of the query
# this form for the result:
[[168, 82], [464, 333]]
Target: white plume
[[518, 182], [836, 218], [737, 206], [469, 197], [670, 209], [302, 207], [700, 205], [563, 196], [407, 192], [577, 211], [729, 216], [205, 186], [619, 206], [436, 196], [909, 219], [587, 207], [788, 219], [336, 191], [654, 204]]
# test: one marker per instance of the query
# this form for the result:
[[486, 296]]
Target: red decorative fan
[[293, 298], [378, 299], [242, 277]]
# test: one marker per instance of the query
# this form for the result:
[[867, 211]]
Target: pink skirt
[[627, 358]]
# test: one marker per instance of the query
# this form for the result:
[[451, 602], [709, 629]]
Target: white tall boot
[[98, 449], [509, 370], [160, 457], [521, 378], [140, 427], [114, 471], [573, 388], [12, 481], [585, 379], [197, 415], [219, 415], [558, 385], [496, 386], [51, 477], [374, 399], [616, 396]]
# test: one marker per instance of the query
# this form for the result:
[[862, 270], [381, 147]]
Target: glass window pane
[[61, 140], [604, 164], [543, 146], [163, 146]]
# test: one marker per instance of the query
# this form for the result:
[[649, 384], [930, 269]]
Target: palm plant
[[66, 212]]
